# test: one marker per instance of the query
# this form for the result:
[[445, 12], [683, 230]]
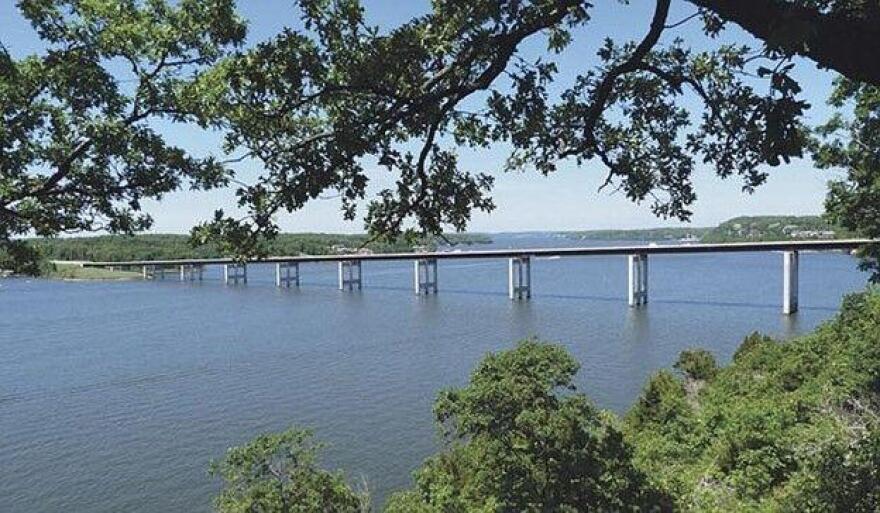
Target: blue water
[[115, 396]]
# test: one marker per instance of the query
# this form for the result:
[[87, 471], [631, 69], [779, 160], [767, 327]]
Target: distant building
[[812, 234]]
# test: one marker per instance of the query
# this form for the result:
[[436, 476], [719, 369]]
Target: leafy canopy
[[787, 426], [79, 150], [318, 105], [314, 105], [851, 141], [278, 473], [520, 438]]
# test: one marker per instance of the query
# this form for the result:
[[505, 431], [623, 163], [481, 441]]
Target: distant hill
[[738, 229], [766, 228]]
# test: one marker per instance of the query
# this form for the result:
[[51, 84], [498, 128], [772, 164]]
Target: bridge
[[287, 268]]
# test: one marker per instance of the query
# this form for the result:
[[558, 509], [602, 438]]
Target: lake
[[114, 396]]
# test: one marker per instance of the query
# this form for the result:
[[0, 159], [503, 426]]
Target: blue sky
[[567, 200]]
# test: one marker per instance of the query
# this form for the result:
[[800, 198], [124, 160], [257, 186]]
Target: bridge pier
[[638, 279], [149, 272], [189, 272], [789, 282], [519, 277], [233, 273], [425, 278], [283, 275], [348, 277]]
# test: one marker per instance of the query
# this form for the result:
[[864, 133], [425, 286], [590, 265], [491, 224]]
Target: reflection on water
[[114, 396]]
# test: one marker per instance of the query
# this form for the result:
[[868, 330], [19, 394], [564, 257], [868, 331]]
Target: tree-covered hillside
[[738, 229], [785, 427], [767, 228]]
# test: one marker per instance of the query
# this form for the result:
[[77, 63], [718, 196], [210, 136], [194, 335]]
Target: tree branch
[[840, 41]]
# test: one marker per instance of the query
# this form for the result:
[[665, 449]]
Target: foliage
[[520, 438], [787, 426], [78, 151], [311, 105], [314, 105], [278, 473], [20, 257], [697, 364], [854, 144]]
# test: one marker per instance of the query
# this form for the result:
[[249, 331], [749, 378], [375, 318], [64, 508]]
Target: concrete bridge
[[287, 268]]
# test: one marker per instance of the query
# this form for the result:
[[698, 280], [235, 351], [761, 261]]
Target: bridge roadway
[[519, 264]]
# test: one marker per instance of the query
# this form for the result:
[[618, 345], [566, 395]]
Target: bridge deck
[[735, 247]]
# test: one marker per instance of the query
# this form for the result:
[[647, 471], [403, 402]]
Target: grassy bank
[[75, 272]]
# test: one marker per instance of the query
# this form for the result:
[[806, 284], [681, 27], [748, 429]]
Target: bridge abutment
[[350, 274], [287, 273], [637, 283], [789, 282], [425, 277], [519, 277], [235, 273]]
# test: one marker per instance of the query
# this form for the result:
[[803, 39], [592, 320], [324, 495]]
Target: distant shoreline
[[738, 229]]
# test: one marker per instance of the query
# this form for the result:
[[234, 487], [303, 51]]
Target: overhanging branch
[[844, 42]]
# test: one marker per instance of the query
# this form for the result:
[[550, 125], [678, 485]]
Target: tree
[[787, 426], [853, 143], [520, 438], [78, 146], [312, 106], [837, 34], [277, 473]]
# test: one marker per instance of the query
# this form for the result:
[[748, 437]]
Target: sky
[[566, 200]]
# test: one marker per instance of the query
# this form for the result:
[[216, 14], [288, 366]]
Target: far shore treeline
[[108, 248]]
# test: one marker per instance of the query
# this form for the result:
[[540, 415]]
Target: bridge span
[[287, 268]]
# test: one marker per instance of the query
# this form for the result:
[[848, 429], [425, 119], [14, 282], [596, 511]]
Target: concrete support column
[[348, 278], [638, 279], [234, 273], [191, 272], [286, 273], [149, 272], [425, 275], [519, 277], [789, 282]]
